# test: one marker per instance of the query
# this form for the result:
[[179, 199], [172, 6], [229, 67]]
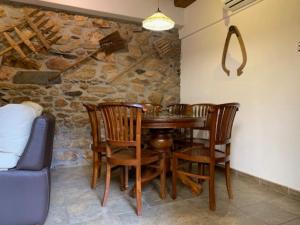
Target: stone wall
[[156, 79]]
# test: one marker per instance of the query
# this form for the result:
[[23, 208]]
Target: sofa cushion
[[16, 122], [8, 160], [38, 109]]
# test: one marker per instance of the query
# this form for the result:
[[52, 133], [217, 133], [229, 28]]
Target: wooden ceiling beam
[[183, 3]]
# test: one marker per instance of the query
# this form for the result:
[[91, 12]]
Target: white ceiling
[[132, 10]]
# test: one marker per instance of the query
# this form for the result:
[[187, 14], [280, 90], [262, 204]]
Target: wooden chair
[[97, 146], [178, 109], [199, 110], [220, 121], [123, 130], [180, 135], [152, 108]]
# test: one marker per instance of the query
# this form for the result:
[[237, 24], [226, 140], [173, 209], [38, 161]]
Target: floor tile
[[293, 222], [73, 202], [269, 213], [288, 204], [57, 216]]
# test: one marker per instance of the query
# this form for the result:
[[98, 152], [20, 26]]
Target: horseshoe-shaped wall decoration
[[234, 30]]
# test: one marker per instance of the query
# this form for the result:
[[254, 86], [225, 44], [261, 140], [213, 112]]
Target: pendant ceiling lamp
[[158, 22]]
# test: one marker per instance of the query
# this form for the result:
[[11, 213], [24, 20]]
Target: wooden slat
[[38, 33], [34, 12], [126, 124], [26, 40], [14, 45], [18, 43], [194, 187], [131, 125], [45, 31], [51, 35], [55, 39], [42, 23], [38, 18], [19, 24]]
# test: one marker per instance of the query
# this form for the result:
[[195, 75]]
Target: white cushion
[[8, 160], [16, 122], [38, 109]]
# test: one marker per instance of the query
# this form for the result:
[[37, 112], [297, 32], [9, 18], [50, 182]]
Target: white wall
[[133, 10], [266, 133]]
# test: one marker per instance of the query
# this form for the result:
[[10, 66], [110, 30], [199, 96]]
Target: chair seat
[[200, 154], [127, 157]]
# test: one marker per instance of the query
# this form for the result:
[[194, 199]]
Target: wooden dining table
[[162, 126]]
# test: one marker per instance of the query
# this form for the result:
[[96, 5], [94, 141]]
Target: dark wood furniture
[[180, 134], [200, 110], [162, 128], [178, 109], [123, 131], [97, 146], [220, 121], [152, 108]]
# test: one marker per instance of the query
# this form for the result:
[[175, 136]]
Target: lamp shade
[[158, 22]]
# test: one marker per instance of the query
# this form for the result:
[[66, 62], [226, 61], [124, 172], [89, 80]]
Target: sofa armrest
[[25, 196], [38, 151]]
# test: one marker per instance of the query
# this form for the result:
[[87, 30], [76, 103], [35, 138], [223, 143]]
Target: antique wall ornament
[[234, 30]]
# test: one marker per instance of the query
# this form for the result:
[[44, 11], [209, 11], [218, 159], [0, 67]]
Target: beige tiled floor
[[73, 202]]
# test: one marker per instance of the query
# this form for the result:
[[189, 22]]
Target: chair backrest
[[94, 116], [178, 109], [221, 119], [123, 125], [152, 108], [201, 110]]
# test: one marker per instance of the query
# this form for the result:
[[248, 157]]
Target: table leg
[[161, 141]]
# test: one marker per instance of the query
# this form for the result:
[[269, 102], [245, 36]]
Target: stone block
[[73, 93], [37, 77]]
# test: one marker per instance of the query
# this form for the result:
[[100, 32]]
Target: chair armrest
[[38, 151]]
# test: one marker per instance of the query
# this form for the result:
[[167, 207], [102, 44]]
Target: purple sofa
[[25, 190]]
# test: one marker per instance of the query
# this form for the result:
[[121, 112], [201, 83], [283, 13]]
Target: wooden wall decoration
[[234, 30], [161, 46], [16, 38], [183, 3], [109, 44]]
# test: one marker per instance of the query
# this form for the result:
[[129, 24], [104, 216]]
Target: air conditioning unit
[[233, 5]]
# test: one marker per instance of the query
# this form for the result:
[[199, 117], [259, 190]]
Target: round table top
[[165, 121]]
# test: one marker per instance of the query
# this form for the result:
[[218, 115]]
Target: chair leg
[[124, 178], [95, 170], [200, 171], [107, 183], [212, 195], [162, 167], [228, 179], [138, 190], [174, 177], [190, 167], [100, 164]]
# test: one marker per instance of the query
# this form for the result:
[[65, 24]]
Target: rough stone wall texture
[[154, 80]]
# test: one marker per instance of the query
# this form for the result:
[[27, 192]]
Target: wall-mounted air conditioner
[[233, 5]]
